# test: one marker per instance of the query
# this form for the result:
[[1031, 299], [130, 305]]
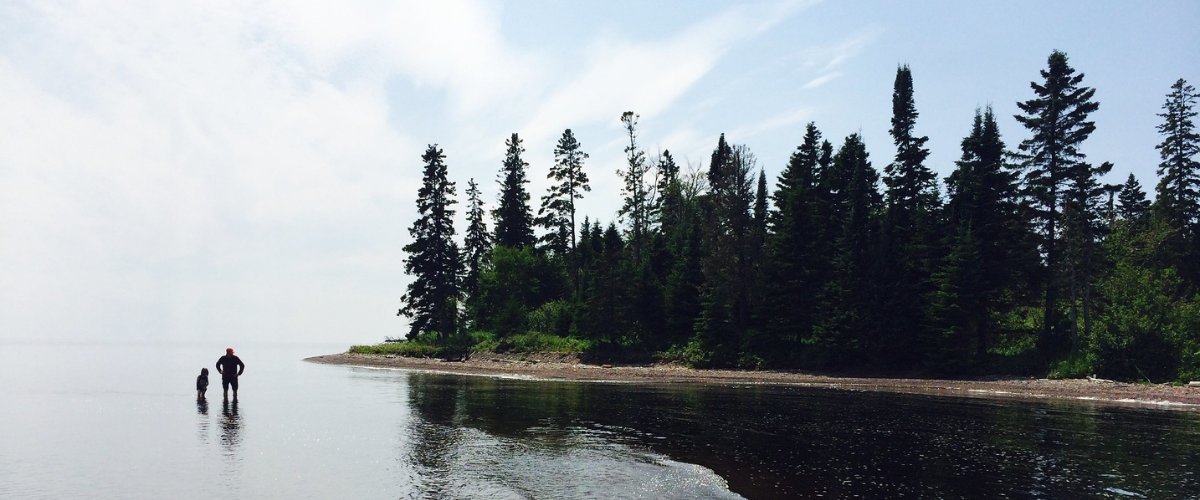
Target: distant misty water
[[121, 421]]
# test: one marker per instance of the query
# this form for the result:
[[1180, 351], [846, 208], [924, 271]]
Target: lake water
[[121, 421]]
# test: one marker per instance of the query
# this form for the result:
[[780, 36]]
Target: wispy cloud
[[649, 76], [456, 44], [821, 80], [781, 120], [179, 168]]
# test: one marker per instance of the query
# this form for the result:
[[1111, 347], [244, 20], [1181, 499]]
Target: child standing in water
[[202, 383]]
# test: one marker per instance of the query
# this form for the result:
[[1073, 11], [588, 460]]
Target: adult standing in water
[[230, 366]]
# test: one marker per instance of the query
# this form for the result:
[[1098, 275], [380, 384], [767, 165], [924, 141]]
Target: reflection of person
[[230, 425], [202, 383], [230, 366]]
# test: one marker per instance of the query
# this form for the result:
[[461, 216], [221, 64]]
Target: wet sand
[[553, 366]]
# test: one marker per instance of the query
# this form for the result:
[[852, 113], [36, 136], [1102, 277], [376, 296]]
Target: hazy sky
[[247, 170]]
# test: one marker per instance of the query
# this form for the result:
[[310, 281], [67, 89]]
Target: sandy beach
[[553, 366]]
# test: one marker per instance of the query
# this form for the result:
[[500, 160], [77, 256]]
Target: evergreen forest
[[1023, 260]]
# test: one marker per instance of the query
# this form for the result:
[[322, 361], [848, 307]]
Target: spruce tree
[[681, 290], [513, 217], [1178, 191], [637, 206], [679, 222], [557, 213], [1082, 229], [1057, 118], [757, 267], [668, 172], [477, 245], [909, 233], [669, 193], [984, 250], [911, 186], [844, 324], [431, 300], [1133, 205], [793, 244], [726, 242], [759, 230]]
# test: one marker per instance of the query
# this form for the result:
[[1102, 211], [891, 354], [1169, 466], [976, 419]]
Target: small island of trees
[[1028, 263]]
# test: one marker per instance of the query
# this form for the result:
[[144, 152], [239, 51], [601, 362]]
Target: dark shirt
[[230, 367], [201, 382]]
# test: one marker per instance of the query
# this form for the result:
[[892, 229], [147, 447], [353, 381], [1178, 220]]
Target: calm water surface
[[121, 421]]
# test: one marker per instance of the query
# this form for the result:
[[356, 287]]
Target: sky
[[246, 171]]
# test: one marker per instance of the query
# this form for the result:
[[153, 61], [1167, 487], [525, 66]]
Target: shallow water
[[121, 421]]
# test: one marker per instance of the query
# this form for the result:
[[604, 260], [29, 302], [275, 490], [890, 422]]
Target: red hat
[[228, 350]]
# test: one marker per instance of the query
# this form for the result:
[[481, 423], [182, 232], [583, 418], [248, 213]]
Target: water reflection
[[437, 433], [202, 420], [491, 438], [231, 427], [793, 442]]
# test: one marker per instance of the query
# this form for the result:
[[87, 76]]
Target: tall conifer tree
[[638, 204], [1178, 191], [909, 232], [792, 244], [726, 244], [1057, 118], [477, 245], [513, 217], [984, 250], [844, 325], [557, 213], [431, 300]]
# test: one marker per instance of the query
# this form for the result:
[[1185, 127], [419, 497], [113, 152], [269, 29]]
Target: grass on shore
[[429, 346]]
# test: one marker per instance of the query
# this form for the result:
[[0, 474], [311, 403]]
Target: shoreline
[[563, 367]]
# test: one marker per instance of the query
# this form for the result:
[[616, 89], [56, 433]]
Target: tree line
[[1028, 262]]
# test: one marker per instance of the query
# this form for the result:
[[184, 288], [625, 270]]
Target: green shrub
[[553, 317], [484, 342], [690, 354], [542, 342], [1188, 339], [1078, 365], [409, 348]]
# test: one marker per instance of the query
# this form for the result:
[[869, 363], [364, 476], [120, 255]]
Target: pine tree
[[1133, 205], [756, 265], [909, 233], [759, 230], [796, 230], [669, 193], [1082, 230], [513, 217], [1058, 119], [681, 290], [431, 300], [844, 325], [726, 242], [477, 245], [984, 250], [637, 207], [912, 186], [1178, 191], [668, 172], [679, 221], [557, 213]]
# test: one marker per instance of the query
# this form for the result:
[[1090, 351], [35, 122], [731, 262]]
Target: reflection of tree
[[511, 408], [781, 442], [437, 403]]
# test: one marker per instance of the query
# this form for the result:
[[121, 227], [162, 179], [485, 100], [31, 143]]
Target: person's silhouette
[[230, 367]]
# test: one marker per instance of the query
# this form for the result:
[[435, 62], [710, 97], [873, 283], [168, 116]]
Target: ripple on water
[[575, 465]]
